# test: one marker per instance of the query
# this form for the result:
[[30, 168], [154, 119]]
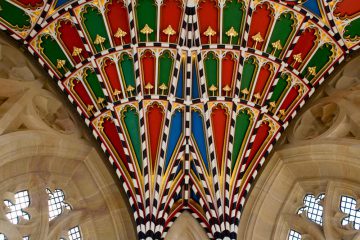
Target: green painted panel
[[248, 74], [52, 51], [283, 30], [131, 119], [127, 70], [94, 23], [211, 70], [319, 60], [93, 82], [233, 17], [241, 128], [166, 65], [279, 88], [15, 16], [146, 13], [352, 30]]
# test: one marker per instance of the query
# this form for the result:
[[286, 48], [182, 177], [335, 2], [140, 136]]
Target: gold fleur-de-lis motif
[[61, 64], [272, 105], [130, 89], [257, 97], [245, 91], [163, 88], [148, 87], [226, 89], [117, 93], [297, 59], [100, 101], [213, 89], [169, 31], [209, 33], [90, 109], [257, 39], [77, 53], [146, 30], [282, 112], [311, 71], [120, 34], [231, 33], [99, 40], [276, 46]]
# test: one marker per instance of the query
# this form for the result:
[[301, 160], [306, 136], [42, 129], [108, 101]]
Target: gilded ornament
[[226, 89], [146, 30], [60, 64], [257, 38], [209, 33], [163, 88], [77, 53], [129, 89], [213, 89], [276, 46], [148, 87], [169, 31], [99, 40], [116, 93], [120, 34], [231, 33]]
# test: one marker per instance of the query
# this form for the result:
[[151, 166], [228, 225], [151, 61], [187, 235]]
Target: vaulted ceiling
[[186, 99]]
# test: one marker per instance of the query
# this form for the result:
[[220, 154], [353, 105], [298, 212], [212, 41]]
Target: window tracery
[[56, 206], [16, 207], [56, 203], [312, 208], [348, 206], [293, 235], [41, 122], [74, 233]]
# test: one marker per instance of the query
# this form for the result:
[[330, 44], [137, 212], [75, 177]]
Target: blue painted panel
[[312, 6], [176, 128], [59, 3], [195, 83], [193, 168], [180, 83], [198, 132], [194, 196]]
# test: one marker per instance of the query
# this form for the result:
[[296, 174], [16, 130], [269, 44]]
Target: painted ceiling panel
[[186, 99]]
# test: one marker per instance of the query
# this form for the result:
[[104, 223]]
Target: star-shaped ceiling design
[[186, 98]]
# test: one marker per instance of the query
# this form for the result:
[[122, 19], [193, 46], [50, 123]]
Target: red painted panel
[[79, 89], [261, 135], [117, 17], [170, 14], [260, 23], [112, 75], [219, 119], [263, 78], [304, 45], [148, 70], [32, 3], [155, 116], [113, 136], [347, 8], [290, 98], [70, 37], [228, 68], [208, 13]]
